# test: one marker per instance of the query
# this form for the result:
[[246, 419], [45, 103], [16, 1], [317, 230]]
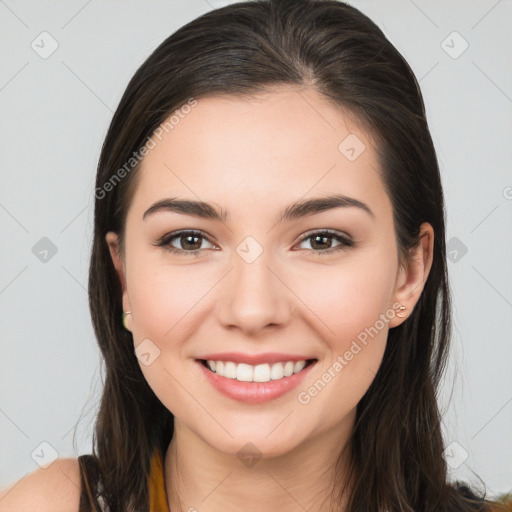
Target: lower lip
[[255, 392]]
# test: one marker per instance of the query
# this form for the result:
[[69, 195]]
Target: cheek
[[166, 301], [349, 298], [163, 299], [351, 310]]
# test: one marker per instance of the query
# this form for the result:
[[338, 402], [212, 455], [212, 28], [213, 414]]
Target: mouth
[[255, 384], [266, 372]]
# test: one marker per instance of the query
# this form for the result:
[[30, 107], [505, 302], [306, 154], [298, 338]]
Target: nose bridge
[[256, 297]]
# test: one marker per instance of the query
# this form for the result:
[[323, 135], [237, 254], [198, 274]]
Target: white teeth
[[259, 373], [230, 370], [299, 365], [288, 368], [277, 371], [243, 372]]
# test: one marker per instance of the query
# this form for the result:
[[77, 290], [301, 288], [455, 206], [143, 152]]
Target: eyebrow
[[299, 209]]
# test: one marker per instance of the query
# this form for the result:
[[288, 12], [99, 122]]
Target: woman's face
[[258, 288]]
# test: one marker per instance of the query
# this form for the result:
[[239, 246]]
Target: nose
[[255, 296]]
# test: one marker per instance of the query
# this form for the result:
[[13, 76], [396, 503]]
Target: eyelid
[[328, 231], [346, 241], [166, 239]]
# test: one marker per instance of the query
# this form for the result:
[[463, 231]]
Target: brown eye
[[321, 241], [189, 242]]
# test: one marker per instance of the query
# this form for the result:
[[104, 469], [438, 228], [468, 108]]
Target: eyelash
[[346, 242]]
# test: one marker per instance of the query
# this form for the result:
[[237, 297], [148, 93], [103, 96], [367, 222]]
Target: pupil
[[322, 237], [188, 237]]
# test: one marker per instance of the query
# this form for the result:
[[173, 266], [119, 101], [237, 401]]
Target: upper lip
[[255, 359]]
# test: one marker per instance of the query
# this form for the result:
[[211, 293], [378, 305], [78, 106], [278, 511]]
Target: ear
[[119, 264], [411, 279]]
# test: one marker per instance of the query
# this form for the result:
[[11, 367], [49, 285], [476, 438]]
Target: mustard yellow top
[[156, 483], [158, 501], [91, 487]]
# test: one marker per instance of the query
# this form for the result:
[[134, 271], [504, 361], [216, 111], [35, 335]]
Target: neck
[[200, 478]]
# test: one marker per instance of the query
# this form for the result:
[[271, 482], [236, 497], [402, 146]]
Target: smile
[[243, 372], [254, 383]]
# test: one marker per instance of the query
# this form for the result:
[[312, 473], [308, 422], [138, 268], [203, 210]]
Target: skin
[[253, 157]]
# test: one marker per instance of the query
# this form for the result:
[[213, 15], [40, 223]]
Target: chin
[[255, 440]]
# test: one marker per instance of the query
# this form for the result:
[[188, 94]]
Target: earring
[[125, 313], [401, 311]]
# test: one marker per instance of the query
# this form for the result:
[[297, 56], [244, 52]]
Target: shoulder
[[52, 489]]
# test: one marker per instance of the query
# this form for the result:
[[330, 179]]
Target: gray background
[[55, 112]]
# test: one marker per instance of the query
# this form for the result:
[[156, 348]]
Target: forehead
[[282, 144]]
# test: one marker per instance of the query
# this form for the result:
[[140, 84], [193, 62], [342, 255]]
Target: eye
[[191, 239], [186, 239], [319, 239]]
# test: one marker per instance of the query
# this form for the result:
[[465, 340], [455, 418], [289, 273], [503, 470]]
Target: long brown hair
[[246, 48]]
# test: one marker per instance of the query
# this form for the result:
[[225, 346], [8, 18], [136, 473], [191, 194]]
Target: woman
[[291, 359]]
